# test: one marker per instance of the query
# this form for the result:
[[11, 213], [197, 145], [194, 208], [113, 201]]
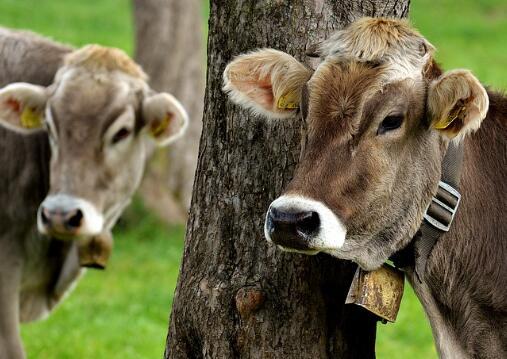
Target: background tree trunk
[[169, 47], [237, 296]]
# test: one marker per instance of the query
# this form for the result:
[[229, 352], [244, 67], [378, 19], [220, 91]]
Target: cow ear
[[166, 119], [22, 106], [268, 82], [457, 103]]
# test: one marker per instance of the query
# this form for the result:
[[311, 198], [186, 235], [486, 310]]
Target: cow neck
[[438, 216]]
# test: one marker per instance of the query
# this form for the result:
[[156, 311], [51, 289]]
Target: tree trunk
[[169, 47], [237, 296]]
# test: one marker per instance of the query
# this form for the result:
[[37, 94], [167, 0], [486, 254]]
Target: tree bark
[[237, 296], [169, 47]]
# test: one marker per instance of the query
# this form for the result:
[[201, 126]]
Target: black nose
[[60, 221], [292, 228]]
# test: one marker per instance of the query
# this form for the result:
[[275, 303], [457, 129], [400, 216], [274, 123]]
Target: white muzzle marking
[[93, 221], [331, 234]]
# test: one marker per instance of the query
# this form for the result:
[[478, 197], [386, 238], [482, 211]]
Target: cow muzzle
[[300, 224], [67, 217]]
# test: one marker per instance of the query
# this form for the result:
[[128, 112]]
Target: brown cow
[[380, 116], [79, 147]]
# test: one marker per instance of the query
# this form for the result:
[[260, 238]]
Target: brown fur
[[346, 106], [379, 188], [380, 191], [468, 267], [457, 95], [379, 184]]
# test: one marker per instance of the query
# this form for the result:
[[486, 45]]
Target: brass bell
[[95, 252], [379, 291]]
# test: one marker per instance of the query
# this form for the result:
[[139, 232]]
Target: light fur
[[444, 95], [331, 233], [390, 41], [258, 80], [156, 107], [93, 161], [15, 98], [96, 58]]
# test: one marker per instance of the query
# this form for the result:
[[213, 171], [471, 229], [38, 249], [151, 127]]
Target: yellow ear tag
[[159, 127], [288, 102], [445, 122], [30, 118]]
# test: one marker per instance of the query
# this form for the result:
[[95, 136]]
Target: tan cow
[[79, 147], [381, 116]]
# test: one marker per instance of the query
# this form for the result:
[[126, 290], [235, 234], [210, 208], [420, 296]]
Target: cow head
[[99, 115], [379, 115]]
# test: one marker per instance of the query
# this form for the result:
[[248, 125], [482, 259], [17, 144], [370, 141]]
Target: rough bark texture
[[237, 296], [169, 46]]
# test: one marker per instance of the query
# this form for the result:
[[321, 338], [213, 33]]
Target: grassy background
[[123, 312]]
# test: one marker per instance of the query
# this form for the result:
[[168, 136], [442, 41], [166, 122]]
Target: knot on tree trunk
[[249, 299]]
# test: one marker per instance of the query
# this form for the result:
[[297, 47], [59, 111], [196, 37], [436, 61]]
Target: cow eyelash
[[390, 123]]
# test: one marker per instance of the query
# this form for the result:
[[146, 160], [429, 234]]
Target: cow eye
[[390, 123], [122, 134]]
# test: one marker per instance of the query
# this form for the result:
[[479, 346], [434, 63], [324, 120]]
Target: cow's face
[[99, 117], [376, 134]]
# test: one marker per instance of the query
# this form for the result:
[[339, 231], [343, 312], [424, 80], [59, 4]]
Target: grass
[[468, 34], [123, 311], [106, 22]]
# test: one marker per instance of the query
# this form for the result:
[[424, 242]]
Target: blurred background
[[123, 311]]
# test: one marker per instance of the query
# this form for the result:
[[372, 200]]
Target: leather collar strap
[[438, 216]]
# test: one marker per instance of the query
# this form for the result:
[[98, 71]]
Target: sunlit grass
[[106, 22], [121, 312], [468, 34]]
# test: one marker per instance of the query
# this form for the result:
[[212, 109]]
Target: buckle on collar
[[442, 208]]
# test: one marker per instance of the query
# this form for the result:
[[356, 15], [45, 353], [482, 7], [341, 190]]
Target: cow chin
[[366, 251]]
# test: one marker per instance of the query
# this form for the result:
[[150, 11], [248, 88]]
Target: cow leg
[[10, 340]]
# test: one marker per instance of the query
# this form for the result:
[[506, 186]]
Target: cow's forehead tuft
[[402, 50], [371, 39], [347, 76], [81, 94], [96, 57]]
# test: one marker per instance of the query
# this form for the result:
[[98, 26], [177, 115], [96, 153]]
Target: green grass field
[[123, 311]]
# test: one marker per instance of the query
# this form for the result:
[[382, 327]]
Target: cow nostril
[[44, 216], [305, 222], [308, 223], [273, 214], [292, 228], [74, 219]]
